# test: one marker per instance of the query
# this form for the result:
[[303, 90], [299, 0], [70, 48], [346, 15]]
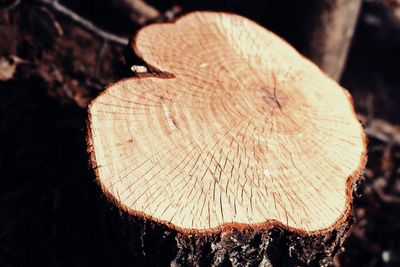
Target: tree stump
[[233, 150]]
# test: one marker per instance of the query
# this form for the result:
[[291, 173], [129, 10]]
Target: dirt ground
[[51, 67]]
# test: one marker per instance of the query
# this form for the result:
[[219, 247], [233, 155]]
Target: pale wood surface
[[247, 131]]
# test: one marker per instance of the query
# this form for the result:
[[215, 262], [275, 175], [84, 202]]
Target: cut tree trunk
[[236, 150], [321, 29], [331, 34]]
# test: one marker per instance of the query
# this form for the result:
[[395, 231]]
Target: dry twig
[[55, 5], [139, 11], [10, 6], [381, 130]]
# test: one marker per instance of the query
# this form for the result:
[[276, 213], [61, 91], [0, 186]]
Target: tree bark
[[137, 242], [331, 34], [321, 29]]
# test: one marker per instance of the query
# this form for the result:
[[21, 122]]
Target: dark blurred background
[[52, 64]]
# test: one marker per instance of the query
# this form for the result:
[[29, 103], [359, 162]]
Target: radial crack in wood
[[246, 133]]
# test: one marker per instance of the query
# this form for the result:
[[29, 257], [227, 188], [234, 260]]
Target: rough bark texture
[[137, 242]]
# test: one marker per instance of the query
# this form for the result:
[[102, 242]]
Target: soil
[[49, 203]]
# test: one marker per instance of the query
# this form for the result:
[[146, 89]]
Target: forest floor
[[51, 68]]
